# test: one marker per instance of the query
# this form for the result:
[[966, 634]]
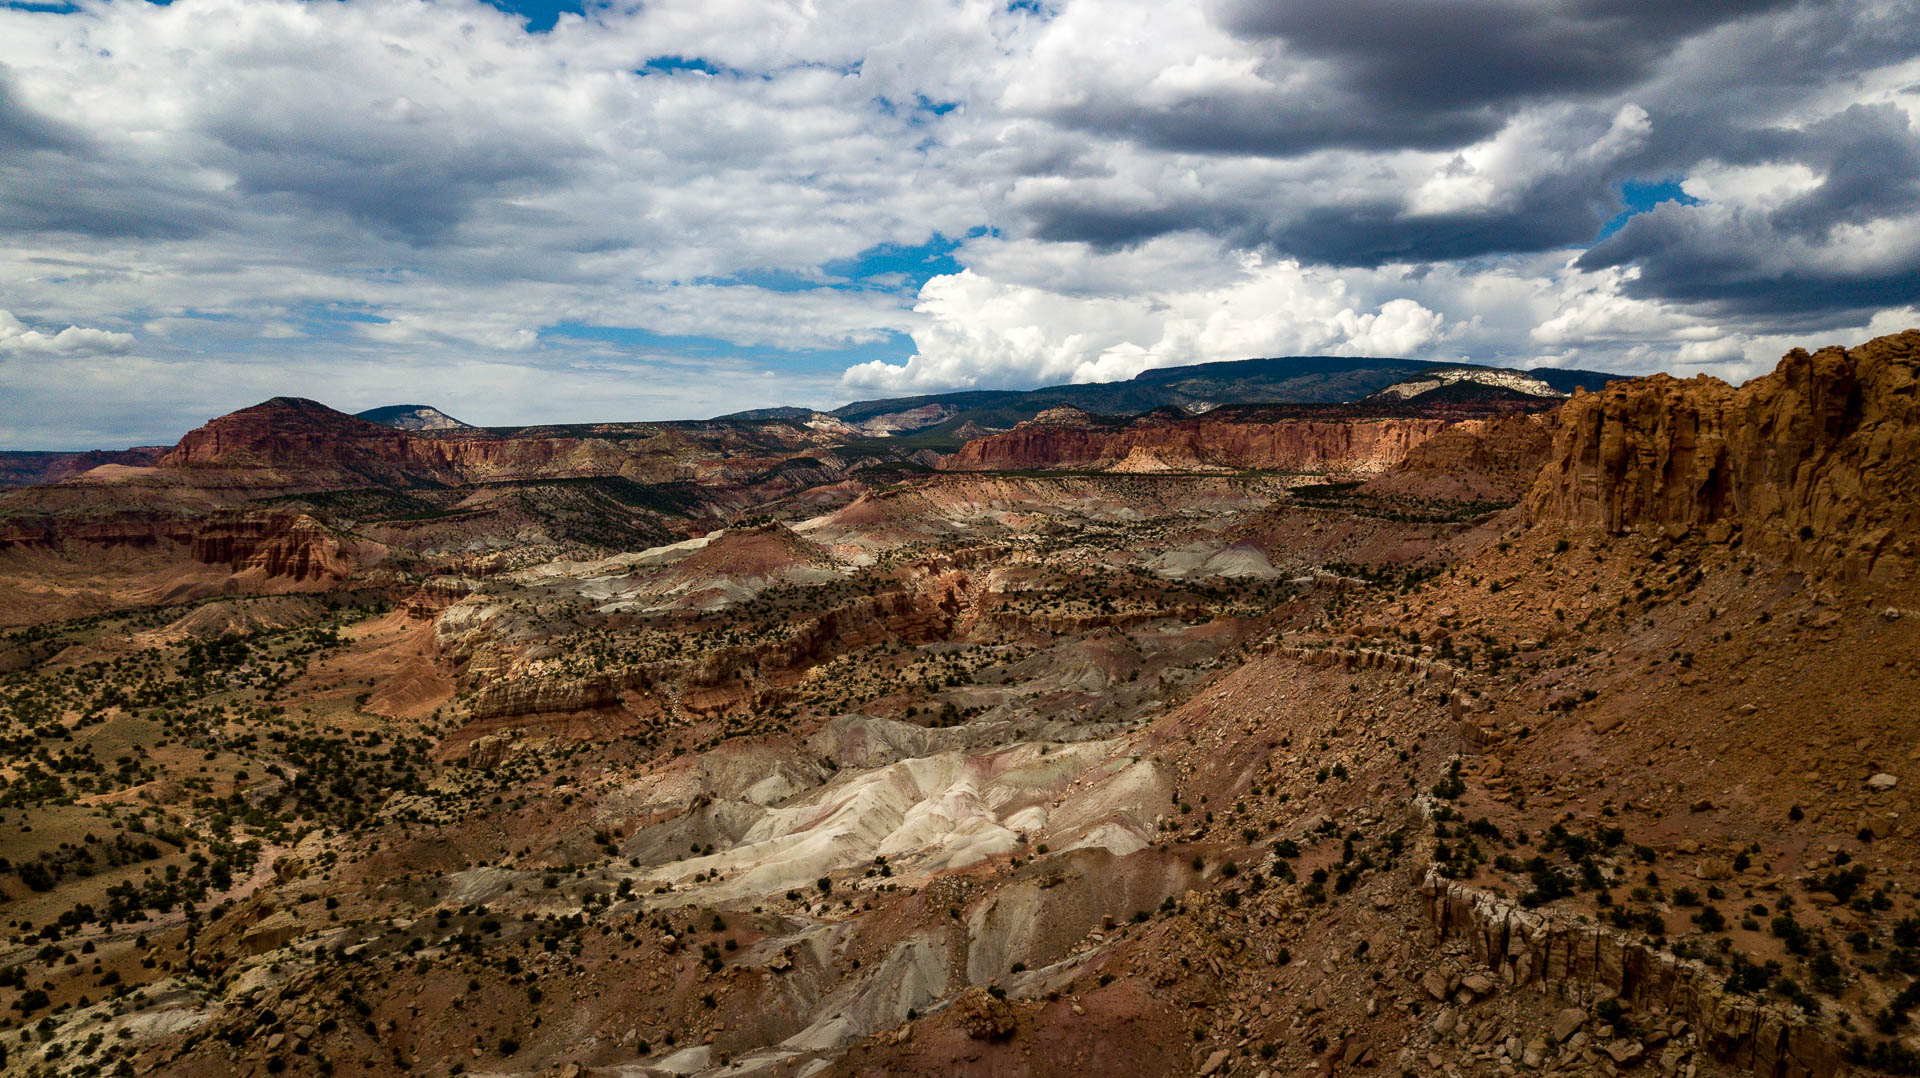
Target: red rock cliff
[[307, 444], [1494, 460], [1818, 462], [293, 445], [1347, 445]]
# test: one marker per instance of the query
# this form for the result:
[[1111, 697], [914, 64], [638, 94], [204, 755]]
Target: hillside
[[1292, 379], [1301, 739], [26, 469], [411, 417]]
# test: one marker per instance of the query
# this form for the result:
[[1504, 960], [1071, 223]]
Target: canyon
[[1485, 734]]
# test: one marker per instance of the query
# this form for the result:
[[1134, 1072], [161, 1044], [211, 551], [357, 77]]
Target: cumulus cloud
[[987, 332], [272, 186], [17, 340], [1810, 221]]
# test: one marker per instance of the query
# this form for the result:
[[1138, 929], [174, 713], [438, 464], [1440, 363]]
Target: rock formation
[[1493, 460], [1818, 462], [1584, 963], [26, 469], [291, 445], [267, 543], [1237, 440], [288, 546]]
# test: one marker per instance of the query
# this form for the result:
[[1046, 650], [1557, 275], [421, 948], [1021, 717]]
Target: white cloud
[[419, 187], [981, 331], [1498, 171], [17, 340], [1763, 186]]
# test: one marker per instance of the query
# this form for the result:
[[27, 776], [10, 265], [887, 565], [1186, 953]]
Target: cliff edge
[[1817, 463]]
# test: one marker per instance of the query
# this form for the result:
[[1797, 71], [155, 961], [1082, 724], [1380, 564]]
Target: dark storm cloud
[[418, 183], [1870, 157], [1754, 263], [1437, 57], [55, 178], [65, 195], [1369, 233], [22, 130], [1558, 209], [62, 185], [1435, 75], [1722, 83], [1550, 217], [1260, 124], [1427, 75], [1724, 266]]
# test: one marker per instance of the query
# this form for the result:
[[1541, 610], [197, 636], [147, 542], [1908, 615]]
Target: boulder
[[984, 1016], [1713, 868], [1624, 1052], [1567, 1023]]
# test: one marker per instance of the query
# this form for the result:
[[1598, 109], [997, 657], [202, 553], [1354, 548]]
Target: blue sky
[[542, 213], [540, 17], [1640, 196]]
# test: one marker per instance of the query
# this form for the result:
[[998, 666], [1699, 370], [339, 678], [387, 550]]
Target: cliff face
[[1581, 962], [289, 547], [310, 440], [1493, 460], [277, 546], [292, 445], [1818, 462], [1355, 445], [18, 469]]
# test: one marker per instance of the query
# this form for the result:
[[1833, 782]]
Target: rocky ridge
[[984, 780], [1814, 462], [1220, 439], [27, 469], [412, 417], [1481, 460]]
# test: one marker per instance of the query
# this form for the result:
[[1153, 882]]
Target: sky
[[530, 213]]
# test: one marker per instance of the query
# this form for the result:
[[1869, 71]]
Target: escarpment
[[291, 445], [1477, 460], [1231, 442], [292, 546], [1583, 962], [268, 543], [1817, 463], [712, 680]]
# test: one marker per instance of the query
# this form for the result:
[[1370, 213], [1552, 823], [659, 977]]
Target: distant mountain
[[1192, 389], [761, 415], [412, 417], [1462, 385], [26, 469]]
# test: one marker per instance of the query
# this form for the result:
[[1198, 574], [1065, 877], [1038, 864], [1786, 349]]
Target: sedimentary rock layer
[[1818, 462]]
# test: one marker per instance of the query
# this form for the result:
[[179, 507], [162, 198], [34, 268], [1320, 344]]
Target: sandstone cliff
[[1583, 962], [291, 445], [1493, 460], [26, 469], [278, 546], [303, 444], [1239, 441], [1817, 463], [265, 544]]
